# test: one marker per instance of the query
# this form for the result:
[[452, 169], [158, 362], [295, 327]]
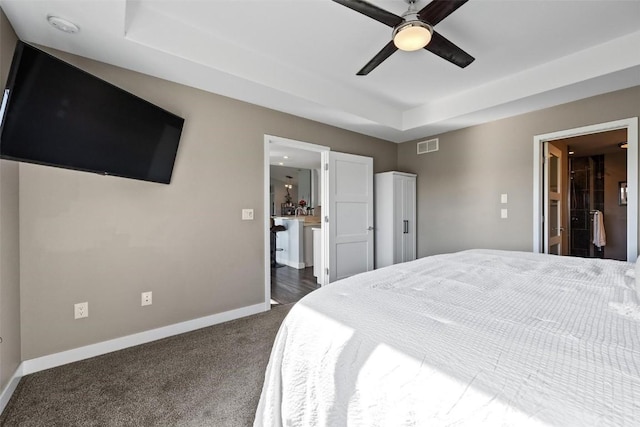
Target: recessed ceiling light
[[281, 163], [286, 157], [62, 24]]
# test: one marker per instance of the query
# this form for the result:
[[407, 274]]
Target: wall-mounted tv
[[55, 114]]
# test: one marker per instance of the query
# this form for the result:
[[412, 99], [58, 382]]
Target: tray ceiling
[[301, 57]]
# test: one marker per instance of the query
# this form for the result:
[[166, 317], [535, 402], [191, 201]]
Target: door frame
[[633, 163], [268, 139]]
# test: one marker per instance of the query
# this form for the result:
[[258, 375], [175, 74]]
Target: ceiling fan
[[413, 30]]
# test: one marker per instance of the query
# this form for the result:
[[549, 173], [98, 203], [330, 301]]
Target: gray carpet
[[209, 377]]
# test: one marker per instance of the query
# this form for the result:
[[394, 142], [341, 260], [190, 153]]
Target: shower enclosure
[[586, 195]]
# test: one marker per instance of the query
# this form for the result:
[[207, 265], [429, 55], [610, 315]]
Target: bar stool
[[275, 229]]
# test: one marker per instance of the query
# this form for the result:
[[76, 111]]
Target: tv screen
[[55, 114]]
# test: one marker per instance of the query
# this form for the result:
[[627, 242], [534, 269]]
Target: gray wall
[[615, 216], [459, 186], [9, 238], [104, 240]]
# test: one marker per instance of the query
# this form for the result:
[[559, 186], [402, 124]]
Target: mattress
[[473, 338]]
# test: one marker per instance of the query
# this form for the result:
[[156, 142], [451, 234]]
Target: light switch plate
[[503, 198], [81, 310], [503, 213], [247, 214]]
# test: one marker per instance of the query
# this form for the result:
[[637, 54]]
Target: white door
[[349, 214], [409, 218], [553, 207]]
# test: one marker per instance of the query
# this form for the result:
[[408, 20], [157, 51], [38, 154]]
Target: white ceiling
[[301, 56], [284, 155]]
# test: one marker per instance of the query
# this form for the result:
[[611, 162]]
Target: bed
[[478, 337]]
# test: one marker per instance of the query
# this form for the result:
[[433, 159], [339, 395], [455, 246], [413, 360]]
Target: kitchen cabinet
[[317, 252], [308, 245], [395, 218], [290, 243]]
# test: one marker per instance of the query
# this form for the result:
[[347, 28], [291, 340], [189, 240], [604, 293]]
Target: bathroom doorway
[[594, 192], [598, 214]]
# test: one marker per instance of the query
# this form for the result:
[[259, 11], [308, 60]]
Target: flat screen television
[[55, 114]]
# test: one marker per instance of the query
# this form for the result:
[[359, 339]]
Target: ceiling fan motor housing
[[416, 27]]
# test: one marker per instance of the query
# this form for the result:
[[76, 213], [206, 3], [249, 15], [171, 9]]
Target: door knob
[[370, 228]]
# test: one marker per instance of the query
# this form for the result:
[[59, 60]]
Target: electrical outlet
[[80, 310], [146, 298], [247, 214]]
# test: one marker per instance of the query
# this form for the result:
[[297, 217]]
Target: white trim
[[633, 163], [294, 144], [6, 394], [296, 265], [104, 347], [267, 224], [268, 139], [326, 225]]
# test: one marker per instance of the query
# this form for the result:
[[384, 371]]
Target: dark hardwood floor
[[290, 285]]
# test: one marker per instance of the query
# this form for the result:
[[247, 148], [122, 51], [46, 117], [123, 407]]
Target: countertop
[[308, 220]]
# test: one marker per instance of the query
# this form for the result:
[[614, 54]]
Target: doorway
[[345, 214], [585, 186], [593, 169], [294, 211]]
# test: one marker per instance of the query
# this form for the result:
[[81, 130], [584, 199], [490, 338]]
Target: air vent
[[428, 146]]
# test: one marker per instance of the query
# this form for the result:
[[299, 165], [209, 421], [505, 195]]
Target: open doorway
[[295, 210], [585, 191], [593, 172], [343, 213]]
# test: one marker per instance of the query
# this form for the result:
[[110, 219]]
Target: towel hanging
[[599, 235]]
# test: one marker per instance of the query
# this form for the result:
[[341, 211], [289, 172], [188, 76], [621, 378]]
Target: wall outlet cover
[[146, 298]]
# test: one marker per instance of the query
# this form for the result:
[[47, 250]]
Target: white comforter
[[472, 338]]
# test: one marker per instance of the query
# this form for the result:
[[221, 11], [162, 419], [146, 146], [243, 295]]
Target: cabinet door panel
[[398, 217], [409, 214]]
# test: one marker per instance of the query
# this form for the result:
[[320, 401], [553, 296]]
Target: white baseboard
[[104, 347], [10, 388], [296, 265]]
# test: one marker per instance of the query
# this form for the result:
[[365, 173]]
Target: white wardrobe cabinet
[[395, 218]]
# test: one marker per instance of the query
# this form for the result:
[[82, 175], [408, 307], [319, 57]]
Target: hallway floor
[[289, 285]]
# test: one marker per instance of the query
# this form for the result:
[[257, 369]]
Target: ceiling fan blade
[[437, 10], [373, 12], [445, 49], [378, 59]]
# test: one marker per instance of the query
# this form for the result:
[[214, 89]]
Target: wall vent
[[428, 146]]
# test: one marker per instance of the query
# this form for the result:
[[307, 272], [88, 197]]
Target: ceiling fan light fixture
[[412, 35]]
